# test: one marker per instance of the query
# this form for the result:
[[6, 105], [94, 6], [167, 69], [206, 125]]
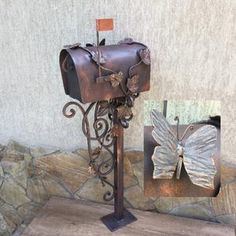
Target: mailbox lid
[[80, 71]]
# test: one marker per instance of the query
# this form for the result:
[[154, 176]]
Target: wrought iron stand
[[109, 120], [121, 216]]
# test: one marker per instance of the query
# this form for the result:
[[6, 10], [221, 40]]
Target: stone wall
[[28, 177]]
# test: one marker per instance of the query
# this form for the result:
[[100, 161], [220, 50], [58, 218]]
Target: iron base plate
[[113, 223]]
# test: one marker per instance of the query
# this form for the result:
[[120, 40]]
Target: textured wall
[[192, 58], [188, 111]]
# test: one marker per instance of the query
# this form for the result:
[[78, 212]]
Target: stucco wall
[[188, 111], [192, 58]]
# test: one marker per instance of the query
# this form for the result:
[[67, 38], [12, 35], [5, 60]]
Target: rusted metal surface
[[174, 187], [97, 73]]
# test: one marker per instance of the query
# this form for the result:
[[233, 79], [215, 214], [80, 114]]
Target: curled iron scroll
[[98, 166]]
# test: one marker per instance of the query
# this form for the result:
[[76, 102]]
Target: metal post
[[118, 170], [121, 216]]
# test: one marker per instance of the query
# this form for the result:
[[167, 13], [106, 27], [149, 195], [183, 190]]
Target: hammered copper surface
[[174, 187]]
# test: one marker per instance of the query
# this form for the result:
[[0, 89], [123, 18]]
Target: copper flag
[[104, 24]]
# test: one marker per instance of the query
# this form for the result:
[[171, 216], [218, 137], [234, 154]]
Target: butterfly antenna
[[190, 127], [177, 119]]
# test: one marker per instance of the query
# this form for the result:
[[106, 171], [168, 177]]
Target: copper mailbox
[[96, 73]]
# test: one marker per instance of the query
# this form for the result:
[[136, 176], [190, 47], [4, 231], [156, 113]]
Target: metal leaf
[[126, 41], [115, 131], [89, 45], [102, 42], [72, 46], [91, 170], [95, 57], [133, 83], [145, 56], [198, 151], [124, 111], [103, 108], [96, 151], [116, 79]]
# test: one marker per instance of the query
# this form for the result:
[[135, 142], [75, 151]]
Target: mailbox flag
[[104, 24]]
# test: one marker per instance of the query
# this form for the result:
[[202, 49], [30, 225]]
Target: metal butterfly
[[195, 153]]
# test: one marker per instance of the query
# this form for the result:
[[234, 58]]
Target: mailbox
[[96, 73], [109, 77]]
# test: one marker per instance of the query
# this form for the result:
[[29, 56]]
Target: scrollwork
[[100, 130]]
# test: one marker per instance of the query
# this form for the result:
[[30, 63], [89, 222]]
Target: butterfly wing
[[162, 132], [198, 151], [165, 162], [164, 157]]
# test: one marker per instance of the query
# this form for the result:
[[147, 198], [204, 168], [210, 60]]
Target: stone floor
[[64, 217]]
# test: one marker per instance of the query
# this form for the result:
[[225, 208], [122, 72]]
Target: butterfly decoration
[[195, 153]]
